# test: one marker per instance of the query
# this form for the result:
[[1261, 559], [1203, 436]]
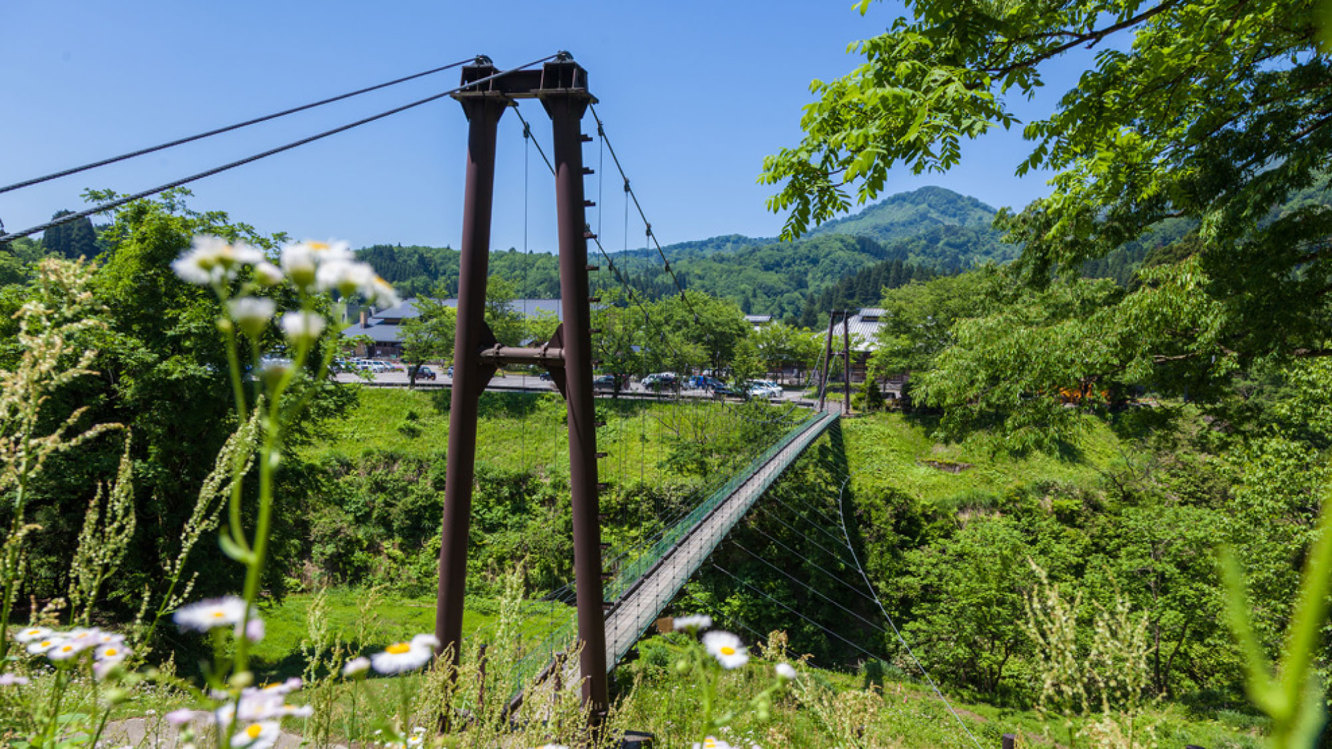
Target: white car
[[764, 389]]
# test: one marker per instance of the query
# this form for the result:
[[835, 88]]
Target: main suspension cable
[[228, 128], [109, 205]]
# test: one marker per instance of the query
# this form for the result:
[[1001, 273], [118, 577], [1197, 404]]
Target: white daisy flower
[[785, 671], [211, 260], [252, 313], [345, 276], [267, 274], [214, 612], [380, 292], [692, 623], [302, 260], [39, 647], [68, 649], [32, 633], [356, 667], [12, 680], [712, 742], [405, 656], [113, 652], [726, 648], [259, 735], [302, 326]]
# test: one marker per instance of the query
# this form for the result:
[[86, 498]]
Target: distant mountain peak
[[911, 213]]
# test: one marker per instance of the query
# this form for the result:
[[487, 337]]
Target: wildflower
[[345, 276], [302, 326], [692, 623], [39, 647], [32, 633], [113, 652], [180, 717], [712, 743], [68, 649], [785, 671], [302, 260], [405, 656], [356, 667], [12, 680], [726, 648], [252, 313], [257, 735], [254, 630], [267, 274], [380, 292], [206, 615], [212, 260]]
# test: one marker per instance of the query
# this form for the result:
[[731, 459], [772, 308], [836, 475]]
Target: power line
[[228, 128], [241, 162]]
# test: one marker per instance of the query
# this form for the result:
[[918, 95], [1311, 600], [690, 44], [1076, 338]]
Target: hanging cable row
[[109, 205], [647, 226], [229, 128]]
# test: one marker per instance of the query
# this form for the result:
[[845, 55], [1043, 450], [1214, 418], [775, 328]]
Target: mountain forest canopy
[[1213, 114]]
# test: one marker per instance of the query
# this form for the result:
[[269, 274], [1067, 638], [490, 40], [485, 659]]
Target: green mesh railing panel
[[562, 639]]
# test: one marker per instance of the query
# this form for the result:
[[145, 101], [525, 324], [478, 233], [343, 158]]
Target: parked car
[[661, 381], [603, 382], [425, 373], [764, 389]]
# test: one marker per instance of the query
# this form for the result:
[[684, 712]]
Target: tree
[[505, 322], [780, 346], [73, 240], [619, 336], [1216, 112], [429, 336]]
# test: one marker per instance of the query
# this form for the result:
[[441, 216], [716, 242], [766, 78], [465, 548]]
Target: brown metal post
[[483, 111], [565, 97], [827, 361], [846, 361]]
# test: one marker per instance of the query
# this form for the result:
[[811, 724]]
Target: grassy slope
[[515, 431], [890, 450]]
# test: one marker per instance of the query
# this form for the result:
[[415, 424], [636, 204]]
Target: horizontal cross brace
[[545, 356]]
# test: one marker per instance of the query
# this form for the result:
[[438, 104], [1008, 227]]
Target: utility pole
[[827, 361], [846, 361], [562, 88]]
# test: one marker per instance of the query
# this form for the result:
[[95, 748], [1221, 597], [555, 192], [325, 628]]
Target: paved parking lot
[[524, 382]]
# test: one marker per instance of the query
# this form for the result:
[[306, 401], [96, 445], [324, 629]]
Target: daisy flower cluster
[[257, 709], [310, 265], [107, 649], [723, 651]]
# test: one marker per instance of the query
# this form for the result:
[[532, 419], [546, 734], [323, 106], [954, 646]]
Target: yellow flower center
[[727, 650], [254, 730], [398, 648], [218, 614], [110, 652], [66, 648], [319, 245]]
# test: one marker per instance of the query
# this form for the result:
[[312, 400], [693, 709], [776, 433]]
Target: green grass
[[385, 619], [890, 450]]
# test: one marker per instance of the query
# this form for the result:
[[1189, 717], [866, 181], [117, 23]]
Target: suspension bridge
[[614, 608]]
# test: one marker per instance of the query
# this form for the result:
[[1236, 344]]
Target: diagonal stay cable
[[736, 578], [842, 512], [806, 536], [873, 625], [527, 135], [227, 128], [802, 516], [249, 159], [815, 565]]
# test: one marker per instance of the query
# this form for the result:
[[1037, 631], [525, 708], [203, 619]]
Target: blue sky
[[693, 94]]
